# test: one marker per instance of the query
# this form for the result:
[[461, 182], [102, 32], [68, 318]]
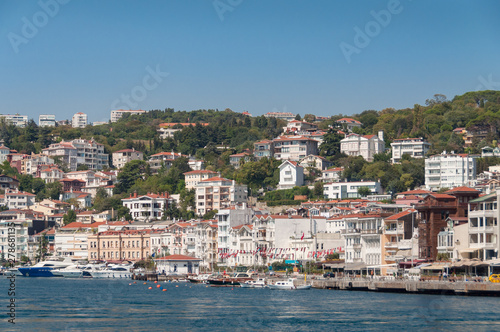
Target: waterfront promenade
[[484, 288]]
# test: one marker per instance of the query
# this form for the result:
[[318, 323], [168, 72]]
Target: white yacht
[[46, 268], [256, 283], [115, 271], [79, 271]]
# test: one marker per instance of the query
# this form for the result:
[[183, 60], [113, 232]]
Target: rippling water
[[111, 305]]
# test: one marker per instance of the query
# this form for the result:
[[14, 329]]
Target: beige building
[[120, 158], [218, 193], [133, 245], [79, 120], [192, 178]]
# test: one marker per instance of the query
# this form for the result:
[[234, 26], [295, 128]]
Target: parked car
[[329, 275]]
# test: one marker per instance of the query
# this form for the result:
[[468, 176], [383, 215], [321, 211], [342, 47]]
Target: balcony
[[391, 245], [394, 231], [356, 245]]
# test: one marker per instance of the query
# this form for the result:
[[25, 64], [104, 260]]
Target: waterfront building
[[120, 158], [133, 245], [365, 146], [206, 243], [178, 264], [79, 120], [291, 175], [449, 170], [72, 239], [484, 228], [453, 240], [242, 245], [46, 120], [17, 230], [433, 213], [413, 147], [192, 178], [342, 190], [147, 207], [399, 239], [117, 114], [227, 219], [15, 119], [218, 193], [362, 236], [294, 148]]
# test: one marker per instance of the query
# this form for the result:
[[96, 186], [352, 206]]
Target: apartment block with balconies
[[413, 147]]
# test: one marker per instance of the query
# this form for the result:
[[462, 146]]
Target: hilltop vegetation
[[229, 132]]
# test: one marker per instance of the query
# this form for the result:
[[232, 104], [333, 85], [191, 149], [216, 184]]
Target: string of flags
[[277, 252]]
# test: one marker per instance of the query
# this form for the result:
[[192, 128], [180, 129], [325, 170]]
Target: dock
[[407, 286]]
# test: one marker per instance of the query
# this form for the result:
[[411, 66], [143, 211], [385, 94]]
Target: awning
[[434, 267], [335, 266], [355, 267], [469, 250]]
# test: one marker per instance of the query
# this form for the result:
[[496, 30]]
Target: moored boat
[[113, 271], [227, 280], [254, 283], [46, 268], [288, 284]]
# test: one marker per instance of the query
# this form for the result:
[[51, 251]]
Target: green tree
[[318, 190], [364, 191], [69, 217], [130, 173]]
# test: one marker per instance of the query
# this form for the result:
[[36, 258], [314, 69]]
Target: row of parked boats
[[67, 268]]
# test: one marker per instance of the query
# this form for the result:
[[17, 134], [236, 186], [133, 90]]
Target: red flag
[[302, 238]]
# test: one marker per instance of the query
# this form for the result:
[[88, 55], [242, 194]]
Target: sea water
[[57, 304]]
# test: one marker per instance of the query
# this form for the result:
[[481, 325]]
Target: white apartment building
[[192, 178], [4, 151], [287, 116], [348, 124], [163, 159], [88, 176], [342, 190], [484, 228], [332, 174], [15, 119], [19, 200], [72, 242], [227, 219], [218, 193], [294, 147], [168, 129], [291, 175], [366, 146], [147, 207], [117, 114], [46, 120], [242, 245], [449, 170], [414, 147], [362, 236], [51, 174], [79, 120], [79, 152], [18, 230], [120, 158], [206, 244], [31, 163]]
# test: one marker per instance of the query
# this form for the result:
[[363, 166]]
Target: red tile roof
[[462, 189], [400, 214]]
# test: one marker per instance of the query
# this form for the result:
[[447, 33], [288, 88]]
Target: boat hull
[[36, 272]]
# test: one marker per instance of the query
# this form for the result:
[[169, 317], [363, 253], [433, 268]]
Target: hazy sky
[[319, 57]]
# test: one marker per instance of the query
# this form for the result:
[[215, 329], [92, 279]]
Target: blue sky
[[256, 56]]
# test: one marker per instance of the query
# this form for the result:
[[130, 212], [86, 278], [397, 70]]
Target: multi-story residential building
[[342, 190], [192, 178], [218, 193], [147, 207], [4, 152], [291, 175], [413, 147], [236, 159], [399, 241], [362, 236], [453, 241], [7, 182], [294, 147], [332, 174], [206, 243], [46, 120], [484, 228], [433, 213], [51, 174], [296, 126], [168, 129], [263, 149], [365, 146], [30, 164], [117, 114], [183, 238], [163, 159], [318, 162], [17, 230], [287, 116], [133, 245], [71, 240], [449, 170], [226, 220], [15, 119], [79, 120], [242, 242], [348, 124], [19, 200], [79, 152], [120, 158]]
